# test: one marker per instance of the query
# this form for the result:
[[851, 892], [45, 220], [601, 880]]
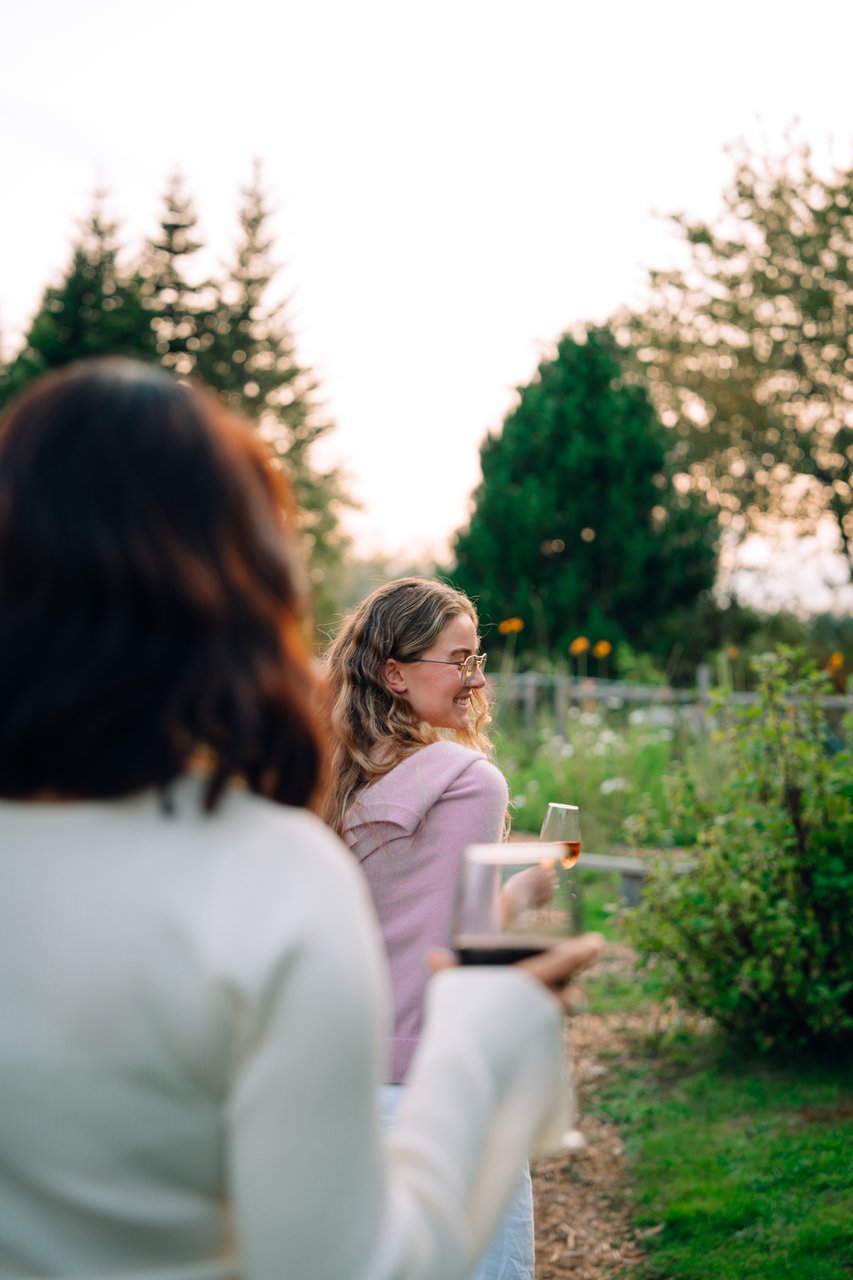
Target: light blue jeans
[[510, 1253]]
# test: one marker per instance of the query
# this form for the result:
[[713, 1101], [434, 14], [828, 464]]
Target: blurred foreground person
[[192, 989]]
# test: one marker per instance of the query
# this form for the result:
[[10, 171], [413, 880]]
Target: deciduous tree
[[749, 348]]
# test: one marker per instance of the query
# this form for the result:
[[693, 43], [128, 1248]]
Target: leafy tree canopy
[[749, 348], [576, 527]]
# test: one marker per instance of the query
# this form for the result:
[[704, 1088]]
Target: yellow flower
[[602, 648], [835, 663], [510, 626], [579, 645]]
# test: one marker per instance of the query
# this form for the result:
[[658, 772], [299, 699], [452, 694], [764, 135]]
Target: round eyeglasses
[[465, 666]]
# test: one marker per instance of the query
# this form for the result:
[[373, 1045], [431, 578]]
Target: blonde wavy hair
[[373, 728]]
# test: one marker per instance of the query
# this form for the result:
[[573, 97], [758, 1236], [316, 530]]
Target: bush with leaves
[[759, 934]]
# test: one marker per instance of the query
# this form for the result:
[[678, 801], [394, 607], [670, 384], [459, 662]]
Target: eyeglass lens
[[471, 664]]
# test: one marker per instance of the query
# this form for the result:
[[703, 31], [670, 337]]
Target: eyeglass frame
[[474, 661]]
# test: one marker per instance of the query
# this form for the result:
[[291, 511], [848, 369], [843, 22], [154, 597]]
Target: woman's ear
[[394, 676]]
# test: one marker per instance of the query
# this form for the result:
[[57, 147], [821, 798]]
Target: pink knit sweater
[[408, 832]]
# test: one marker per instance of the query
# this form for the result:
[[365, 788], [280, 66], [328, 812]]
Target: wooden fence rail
[[529, 691]]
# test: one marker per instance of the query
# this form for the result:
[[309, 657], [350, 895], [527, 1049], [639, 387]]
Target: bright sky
[[455, 182]]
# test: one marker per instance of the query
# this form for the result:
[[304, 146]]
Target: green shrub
[[759, 934], [611, 762]]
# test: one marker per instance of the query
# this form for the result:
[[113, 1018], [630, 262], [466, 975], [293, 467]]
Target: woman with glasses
[[410, 786]]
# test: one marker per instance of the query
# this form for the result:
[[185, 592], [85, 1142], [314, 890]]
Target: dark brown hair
[[151, 598]]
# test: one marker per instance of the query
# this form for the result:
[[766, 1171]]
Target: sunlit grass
[[743, 1166]]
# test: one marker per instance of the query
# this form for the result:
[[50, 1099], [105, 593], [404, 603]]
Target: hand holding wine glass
[[555, 967]]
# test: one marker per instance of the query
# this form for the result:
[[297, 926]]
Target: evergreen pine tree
[[576, 526], [246, 351], [224, 332], [176, 304], [96, 309]]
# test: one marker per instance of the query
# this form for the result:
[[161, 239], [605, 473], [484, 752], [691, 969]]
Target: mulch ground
[[583, 1228]]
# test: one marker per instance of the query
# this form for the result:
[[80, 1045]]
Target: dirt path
[[583, 1230]]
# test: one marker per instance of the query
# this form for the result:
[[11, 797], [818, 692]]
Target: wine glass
[[513, 900], [562, 824]]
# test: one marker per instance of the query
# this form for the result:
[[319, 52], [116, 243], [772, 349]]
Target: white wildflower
[[612, 784]]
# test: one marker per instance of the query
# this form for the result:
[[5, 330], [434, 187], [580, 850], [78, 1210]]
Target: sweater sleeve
[[316, 1192], [488, 1082]]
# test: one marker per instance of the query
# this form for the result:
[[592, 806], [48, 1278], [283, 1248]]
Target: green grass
[[745, 1166], [620, 990]]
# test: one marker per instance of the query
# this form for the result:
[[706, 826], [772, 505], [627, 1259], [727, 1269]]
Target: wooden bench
[[632, 873], [631, 870]]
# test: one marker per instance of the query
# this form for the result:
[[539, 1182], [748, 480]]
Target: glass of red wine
[[513, 900]]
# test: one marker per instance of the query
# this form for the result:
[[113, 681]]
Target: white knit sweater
[[191, 1017]]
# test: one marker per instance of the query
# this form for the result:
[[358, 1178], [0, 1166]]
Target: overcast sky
[[455, 183]]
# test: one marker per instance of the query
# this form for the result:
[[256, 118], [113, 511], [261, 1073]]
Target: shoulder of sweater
[[431, 771], [446, 755], [469, 770], [441, 771], [247, 830], [280, 867]]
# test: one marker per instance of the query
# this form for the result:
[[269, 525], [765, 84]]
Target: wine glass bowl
[[562, 825], [513, 900]]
